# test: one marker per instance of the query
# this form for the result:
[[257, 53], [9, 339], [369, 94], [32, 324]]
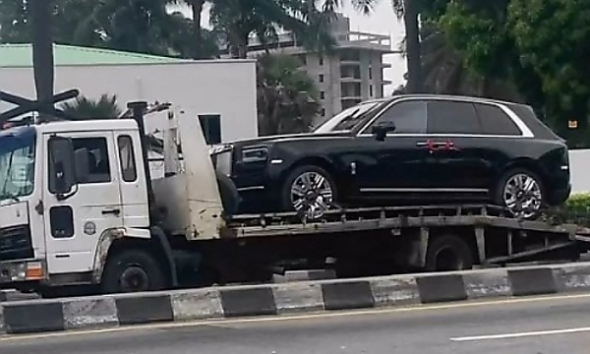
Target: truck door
[[74, 225]]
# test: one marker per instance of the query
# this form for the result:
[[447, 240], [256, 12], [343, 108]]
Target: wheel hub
[[311, 193], [522, 195], [134, 279]]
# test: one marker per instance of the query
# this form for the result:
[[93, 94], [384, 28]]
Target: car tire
[[295, 177], [448, 253], [134, 266], [538, 193]]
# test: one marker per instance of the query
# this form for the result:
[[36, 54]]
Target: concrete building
[[353, 74], [221, 93]]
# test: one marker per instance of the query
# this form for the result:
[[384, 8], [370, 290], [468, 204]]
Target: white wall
[[580, 170], [223, 87]]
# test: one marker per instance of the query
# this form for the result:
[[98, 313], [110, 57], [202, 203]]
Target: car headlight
[[219, 149], [254, 154]]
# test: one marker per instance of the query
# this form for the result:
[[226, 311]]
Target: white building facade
[[353, 73], [221, 93]]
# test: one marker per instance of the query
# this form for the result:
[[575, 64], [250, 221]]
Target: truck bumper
[[14, 272]]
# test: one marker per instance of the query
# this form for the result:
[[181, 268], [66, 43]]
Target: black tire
[[230, 198], [132, 271], [448, 253], [286, 204], [498, 191]]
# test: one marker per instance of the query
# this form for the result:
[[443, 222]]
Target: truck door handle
[[115, 212]]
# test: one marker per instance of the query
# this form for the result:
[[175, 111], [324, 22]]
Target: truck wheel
[[132, 271], [448, 253]]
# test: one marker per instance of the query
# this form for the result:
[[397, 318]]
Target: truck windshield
[[17, 157]]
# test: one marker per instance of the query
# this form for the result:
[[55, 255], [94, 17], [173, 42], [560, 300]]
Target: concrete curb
[[35, 316]]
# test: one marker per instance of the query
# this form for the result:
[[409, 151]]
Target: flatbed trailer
[[385, 240]]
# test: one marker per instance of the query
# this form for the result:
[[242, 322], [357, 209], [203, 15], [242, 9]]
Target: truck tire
[[448, 253], [132, 271]]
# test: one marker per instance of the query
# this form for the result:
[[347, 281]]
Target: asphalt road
[[553, 325]]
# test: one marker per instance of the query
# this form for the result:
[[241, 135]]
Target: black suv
[[405, 149]]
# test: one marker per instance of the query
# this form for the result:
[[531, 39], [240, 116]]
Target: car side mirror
[[380, 130], [62, 172]]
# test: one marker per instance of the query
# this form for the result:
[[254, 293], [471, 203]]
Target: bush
[[576, 210], [578, 203]]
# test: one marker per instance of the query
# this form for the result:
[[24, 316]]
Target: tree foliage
[[84, 108], [287, 96], [537, 46]]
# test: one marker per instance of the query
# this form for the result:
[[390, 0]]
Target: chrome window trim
[[525, 131]]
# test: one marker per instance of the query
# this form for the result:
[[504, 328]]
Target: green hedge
[[576, 210], [578, 203]]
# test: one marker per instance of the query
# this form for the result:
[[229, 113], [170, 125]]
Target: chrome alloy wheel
[[523, 195], [311, 194]]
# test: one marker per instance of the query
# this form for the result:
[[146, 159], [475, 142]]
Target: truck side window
[[127, 158], [92, 160]]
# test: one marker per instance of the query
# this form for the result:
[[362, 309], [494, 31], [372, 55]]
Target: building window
[[321, 78], [303, 59], [371, 90], [370, 73], [322, 95], [321, 60], [323, 112], [211, 125]]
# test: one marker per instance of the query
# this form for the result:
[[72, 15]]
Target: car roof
[[452, 97]]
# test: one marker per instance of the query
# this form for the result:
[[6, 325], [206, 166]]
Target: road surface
[[546, 325]]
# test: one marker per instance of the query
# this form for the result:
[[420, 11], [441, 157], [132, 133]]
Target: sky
[[381, 21]]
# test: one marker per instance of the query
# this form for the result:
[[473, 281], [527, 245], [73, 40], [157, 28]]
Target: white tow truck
[[81, 213]]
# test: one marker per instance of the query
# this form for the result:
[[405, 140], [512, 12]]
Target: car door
[[76, 223], [461, 163], [396, 165]]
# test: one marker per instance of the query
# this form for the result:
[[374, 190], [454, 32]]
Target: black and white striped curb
[[289, 298]]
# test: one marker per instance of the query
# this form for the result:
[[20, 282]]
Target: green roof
[[20, 55]]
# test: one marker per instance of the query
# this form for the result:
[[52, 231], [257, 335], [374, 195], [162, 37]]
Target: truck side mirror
[[62, 172]]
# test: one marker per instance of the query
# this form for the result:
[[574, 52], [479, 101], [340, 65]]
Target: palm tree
[[196, 37], [237, 20], [445, 71], [287, 96], [83, 108], [40, 12]]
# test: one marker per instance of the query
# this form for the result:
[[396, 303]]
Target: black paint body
[[416, 167]]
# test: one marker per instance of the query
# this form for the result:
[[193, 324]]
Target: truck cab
[[65, 188]]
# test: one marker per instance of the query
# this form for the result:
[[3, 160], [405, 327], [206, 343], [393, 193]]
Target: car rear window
[[494, 121], [452, 117]]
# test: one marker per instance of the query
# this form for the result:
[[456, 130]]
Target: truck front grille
[[16, 243]]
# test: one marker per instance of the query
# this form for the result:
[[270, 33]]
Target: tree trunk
[[40, 12], [413, 57], [197, 9]]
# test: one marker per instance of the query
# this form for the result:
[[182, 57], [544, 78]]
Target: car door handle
[[115, 212]]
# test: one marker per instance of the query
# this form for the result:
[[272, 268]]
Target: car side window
[[92, 160], [452, 117], [494, 121], [409, 117]]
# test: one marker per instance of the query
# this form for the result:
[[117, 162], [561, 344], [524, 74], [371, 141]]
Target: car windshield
[[347, 119], [17, 157]]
